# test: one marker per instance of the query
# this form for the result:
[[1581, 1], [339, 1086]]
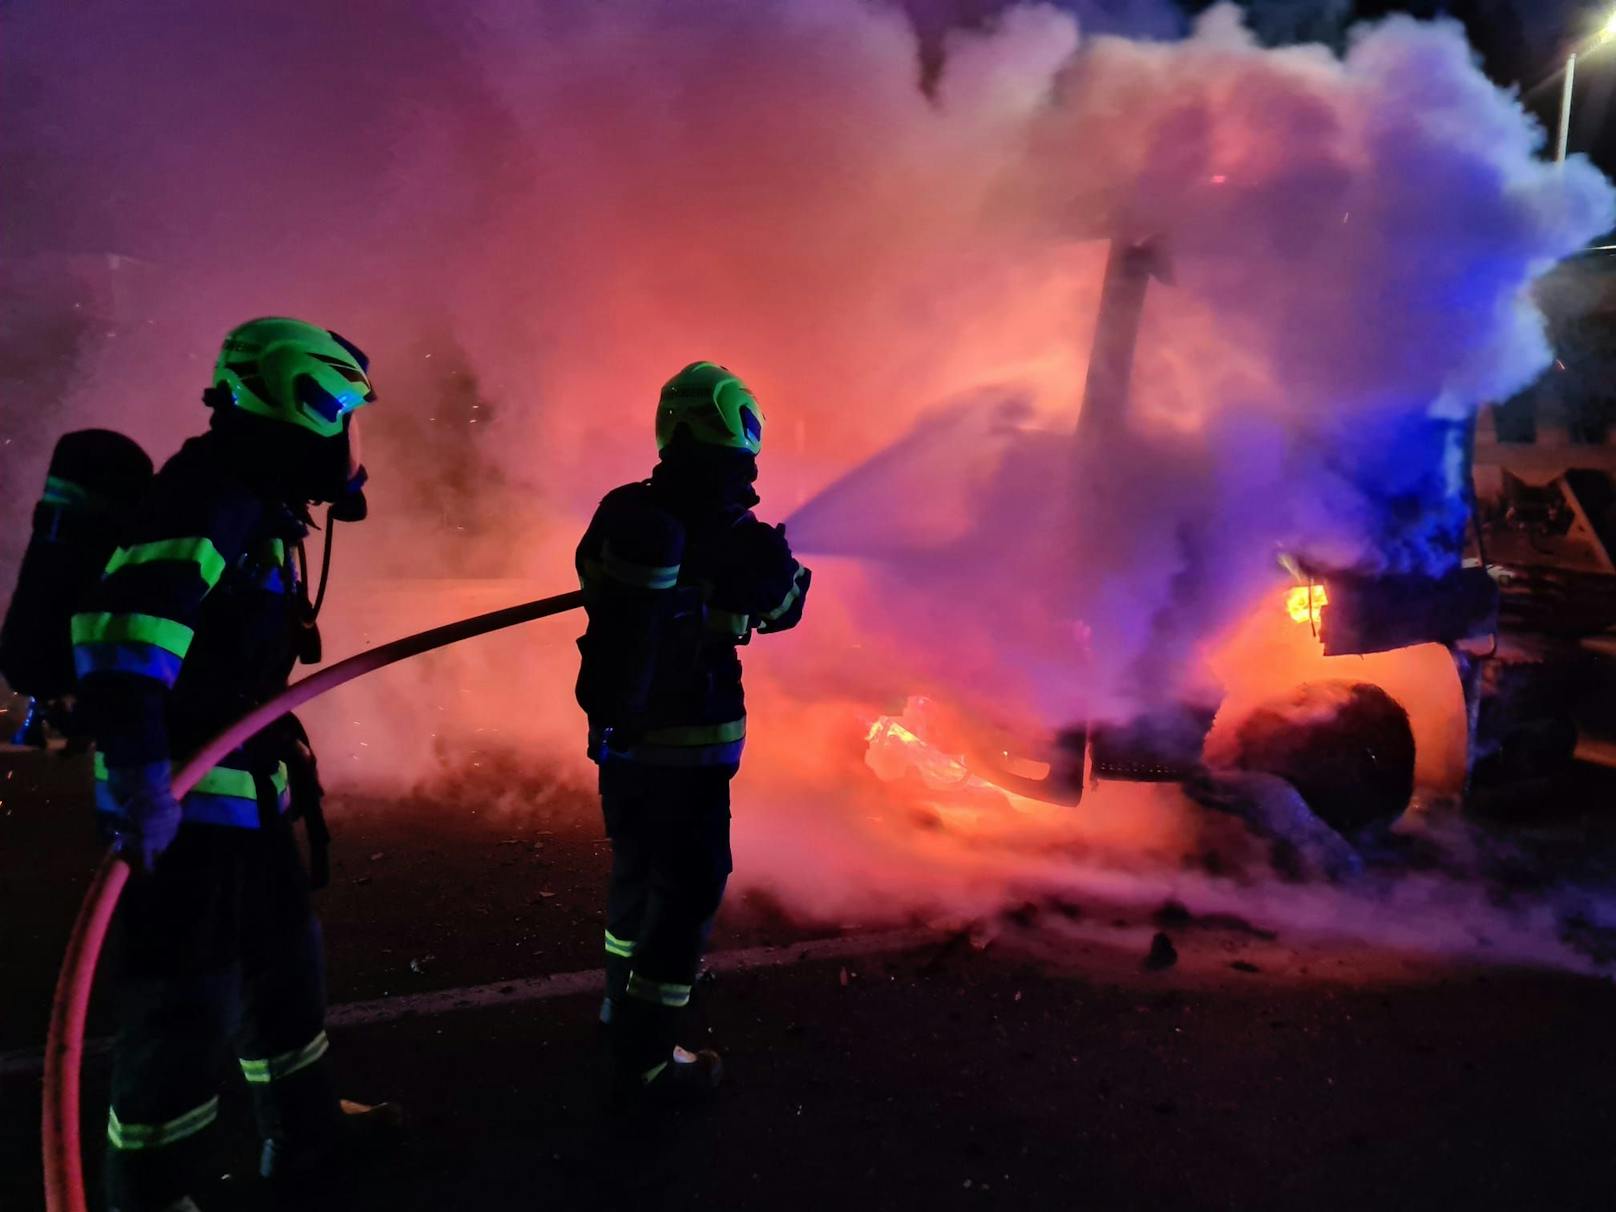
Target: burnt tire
[[1346, 747]]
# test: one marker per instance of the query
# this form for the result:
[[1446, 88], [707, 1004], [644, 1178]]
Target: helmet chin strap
[[325, 563], [349, 507], [310, 648]]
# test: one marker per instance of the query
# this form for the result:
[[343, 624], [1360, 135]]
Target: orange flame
[[1304, 603], [893, 748]]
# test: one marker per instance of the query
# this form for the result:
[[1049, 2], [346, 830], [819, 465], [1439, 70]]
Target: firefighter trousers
[[217, 952], [669, 829]]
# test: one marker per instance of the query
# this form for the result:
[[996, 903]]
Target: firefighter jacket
[[196, 620], [677, 573]]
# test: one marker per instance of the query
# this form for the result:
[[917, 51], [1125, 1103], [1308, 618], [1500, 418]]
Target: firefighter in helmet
[[677, 573], [199, 617]]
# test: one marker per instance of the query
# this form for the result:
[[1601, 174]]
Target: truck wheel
[[1345, 746]]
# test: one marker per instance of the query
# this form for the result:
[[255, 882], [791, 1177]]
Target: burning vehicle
[[1508, 629]]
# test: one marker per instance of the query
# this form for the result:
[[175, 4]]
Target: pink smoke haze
[[530, 215]]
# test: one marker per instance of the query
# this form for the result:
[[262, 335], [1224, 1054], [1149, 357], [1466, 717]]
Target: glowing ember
[[895, 748], [1304, 602], [949, 793]]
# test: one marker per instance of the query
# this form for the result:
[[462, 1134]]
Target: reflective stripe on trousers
[[154, 1136], [658, 993], [283, 1065]]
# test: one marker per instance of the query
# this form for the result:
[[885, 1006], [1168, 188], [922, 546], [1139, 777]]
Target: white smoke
[[1350, 241]]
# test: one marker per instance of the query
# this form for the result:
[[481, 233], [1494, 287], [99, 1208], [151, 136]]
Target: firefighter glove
[[151, 814]]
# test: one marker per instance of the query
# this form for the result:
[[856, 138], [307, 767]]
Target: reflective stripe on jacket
[[225, 795]]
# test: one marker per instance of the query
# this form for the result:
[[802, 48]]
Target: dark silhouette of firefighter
[[677, 573], [200, 615]]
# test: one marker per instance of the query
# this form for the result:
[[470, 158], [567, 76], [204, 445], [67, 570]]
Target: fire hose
[[64, 1045]]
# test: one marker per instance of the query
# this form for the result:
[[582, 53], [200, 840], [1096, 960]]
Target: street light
[[1606, 33]]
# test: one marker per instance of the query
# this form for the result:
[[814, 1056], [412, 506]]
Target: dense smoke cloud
[[1349, 244], [531, 215]]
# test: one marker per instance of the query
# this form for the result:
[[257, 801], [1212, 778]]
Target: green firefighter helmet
[[713, 405], [290, 371]]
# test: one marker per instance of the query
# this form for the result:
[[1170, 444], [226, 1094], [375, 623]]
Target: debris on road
[[955, 943], [1025, 915], [1176, 915], [1162, 953]]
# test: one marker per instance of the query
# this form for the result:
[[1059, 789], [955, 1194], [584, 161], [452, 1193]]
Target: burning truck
[[1499, 649]]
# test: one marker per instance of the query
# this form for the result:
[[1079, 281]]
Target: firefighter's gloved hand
[[789, 614], [622, 737], [145, 795]]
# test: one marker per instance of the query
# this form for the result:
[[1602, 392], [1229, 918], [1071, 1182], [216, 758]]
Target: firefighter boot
[[685, 1077], [618, 964], [648, 1067], [294, 1165], [309, 1133]]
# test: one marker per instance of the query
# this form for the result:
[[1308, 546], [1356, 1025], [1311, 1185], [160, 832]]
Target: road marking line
[[30, 1062]]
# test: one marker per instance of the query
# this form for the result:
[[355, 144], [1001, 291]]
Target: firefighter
[[199, 617], [677, 573]]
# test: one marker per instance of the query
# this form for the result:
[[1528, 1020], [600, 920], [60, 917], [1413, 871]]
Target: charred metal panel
[[1162, 747], [1050, 772], [1378, 614]]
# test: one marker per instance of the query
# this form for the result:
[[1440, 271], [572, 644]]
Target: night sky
[[1523, 43]]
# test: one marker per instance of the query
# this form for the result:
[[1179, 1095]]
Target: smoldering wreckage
[[1462, 660], [1516, 616], [1521, 602]]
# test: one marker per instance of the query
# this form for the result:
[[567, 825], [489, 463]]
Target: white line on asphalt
[[29, 1062]]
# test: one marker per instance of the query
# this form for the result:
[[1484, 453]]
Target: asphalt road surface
[[1039, 1062]]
